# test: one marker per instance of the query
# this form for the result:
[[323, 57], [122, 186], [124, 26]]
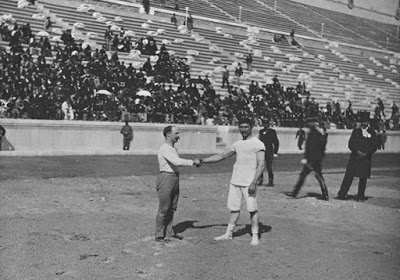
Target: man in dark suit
[[268, 136], [362, 144], [312, 161]]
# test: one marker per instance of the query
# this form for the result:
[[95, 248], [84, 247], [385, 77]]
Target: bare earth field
[[93, 218]]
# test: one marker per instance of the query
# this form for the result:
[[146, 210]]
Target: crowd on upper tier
[[43, 80]]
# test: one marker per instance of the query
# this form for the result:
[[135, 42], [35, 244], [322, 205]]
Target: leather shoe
[[361, 198], [290, 194], [325, 197], [339, 197]]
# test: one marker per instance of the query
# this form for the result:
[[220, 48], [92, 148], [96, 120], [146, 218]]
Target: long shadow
[[247, 230], [183, 226], [312, 194]]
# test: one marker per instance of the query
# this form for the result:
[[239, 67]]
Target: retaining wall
[[46, 137]]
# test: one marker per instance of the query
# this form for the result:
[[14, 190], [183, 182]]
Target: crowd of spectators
[[61, 81], [41, 80]]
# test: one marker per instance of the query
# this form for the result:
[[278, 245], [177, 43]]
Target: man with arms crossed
[[247, 170], [168, 182]]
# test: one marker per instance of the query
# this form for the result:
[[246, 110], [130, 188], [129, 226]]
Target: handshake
[[198, 162]]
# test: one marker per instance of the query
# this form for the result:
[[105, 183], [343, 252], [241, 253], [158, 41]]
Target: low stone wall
[[46, 137], [337, 139]]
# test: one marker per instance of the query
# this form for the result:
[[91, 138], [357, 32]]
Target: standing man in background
[[127, 133], [268, 136], [300, 136], [168, 182], [247, 170]]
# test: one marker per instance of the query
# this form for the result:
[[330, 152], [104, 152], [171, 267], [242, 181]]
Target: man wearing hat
[[127, 133], [268, 136], [312, 161], [362, 144]]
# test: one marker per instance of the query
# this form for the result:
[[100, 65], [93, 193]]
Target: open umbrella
[[103, 92], [143, 93], [43, 34]]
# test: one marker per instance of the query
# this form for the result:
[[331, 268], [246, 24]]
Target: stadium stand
[[330, 72]]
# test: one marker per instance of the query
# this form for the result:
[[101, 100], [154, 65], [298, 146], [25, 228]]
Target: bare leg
[[254, 228], [233, 218]]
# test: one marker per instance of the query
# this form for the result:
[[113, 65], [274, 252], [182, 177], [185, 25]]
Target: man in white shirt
[[247, 170], [168, 182]]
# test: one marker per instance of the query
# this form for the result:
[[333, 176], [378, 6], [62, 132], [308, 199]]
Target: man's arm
[[174, 159], [276, 143], [218, 157], [260, 155]]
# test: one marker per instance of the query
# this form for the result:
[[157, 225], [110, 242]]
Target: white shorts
[[235, 198]]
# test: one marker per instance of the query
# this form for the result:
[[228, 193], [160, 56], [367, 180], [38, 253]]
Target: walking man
[[312, 161], [268, 136], [168, 182], [127, 133], [246, 172], [362, 144]]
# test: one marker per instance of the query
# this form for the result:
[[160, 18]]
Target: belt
[[172, 173]]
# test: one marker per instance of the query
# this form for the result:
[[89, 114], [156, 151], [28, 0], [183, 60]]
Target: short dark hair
[[167, 130], [247, 120]]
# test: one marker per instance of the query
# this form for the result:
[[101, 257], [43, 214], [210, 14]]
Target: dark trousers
[[269, 160], [225, 80], [126, 144], [346, 184], [315, 166], [168, 195]]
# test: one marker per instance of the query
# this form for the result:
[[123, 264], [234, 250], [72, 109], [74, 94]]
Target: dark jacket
[[315, 145], [269, 138], [2, 131], [362, 149]]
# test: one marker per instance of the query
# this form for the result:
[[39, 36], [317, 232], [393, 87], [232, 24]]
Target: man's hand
[[304, 161], [197, 162], [252, 189], [275, 155]]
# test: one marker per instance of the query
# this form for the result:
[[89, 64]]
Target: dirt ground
[[90, 218]]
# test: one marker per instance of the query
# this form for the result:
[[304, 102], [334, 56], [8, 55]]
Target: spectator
[[2, 134], [146, 6], [176, 4], [238, 73], [108, 35], [148, 68], [174, 20], [292, 34], [127, 133], [381, 108], [190, 22], [249, 62], [225, 77], [47, 23], [301, 136], [395, 116]]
